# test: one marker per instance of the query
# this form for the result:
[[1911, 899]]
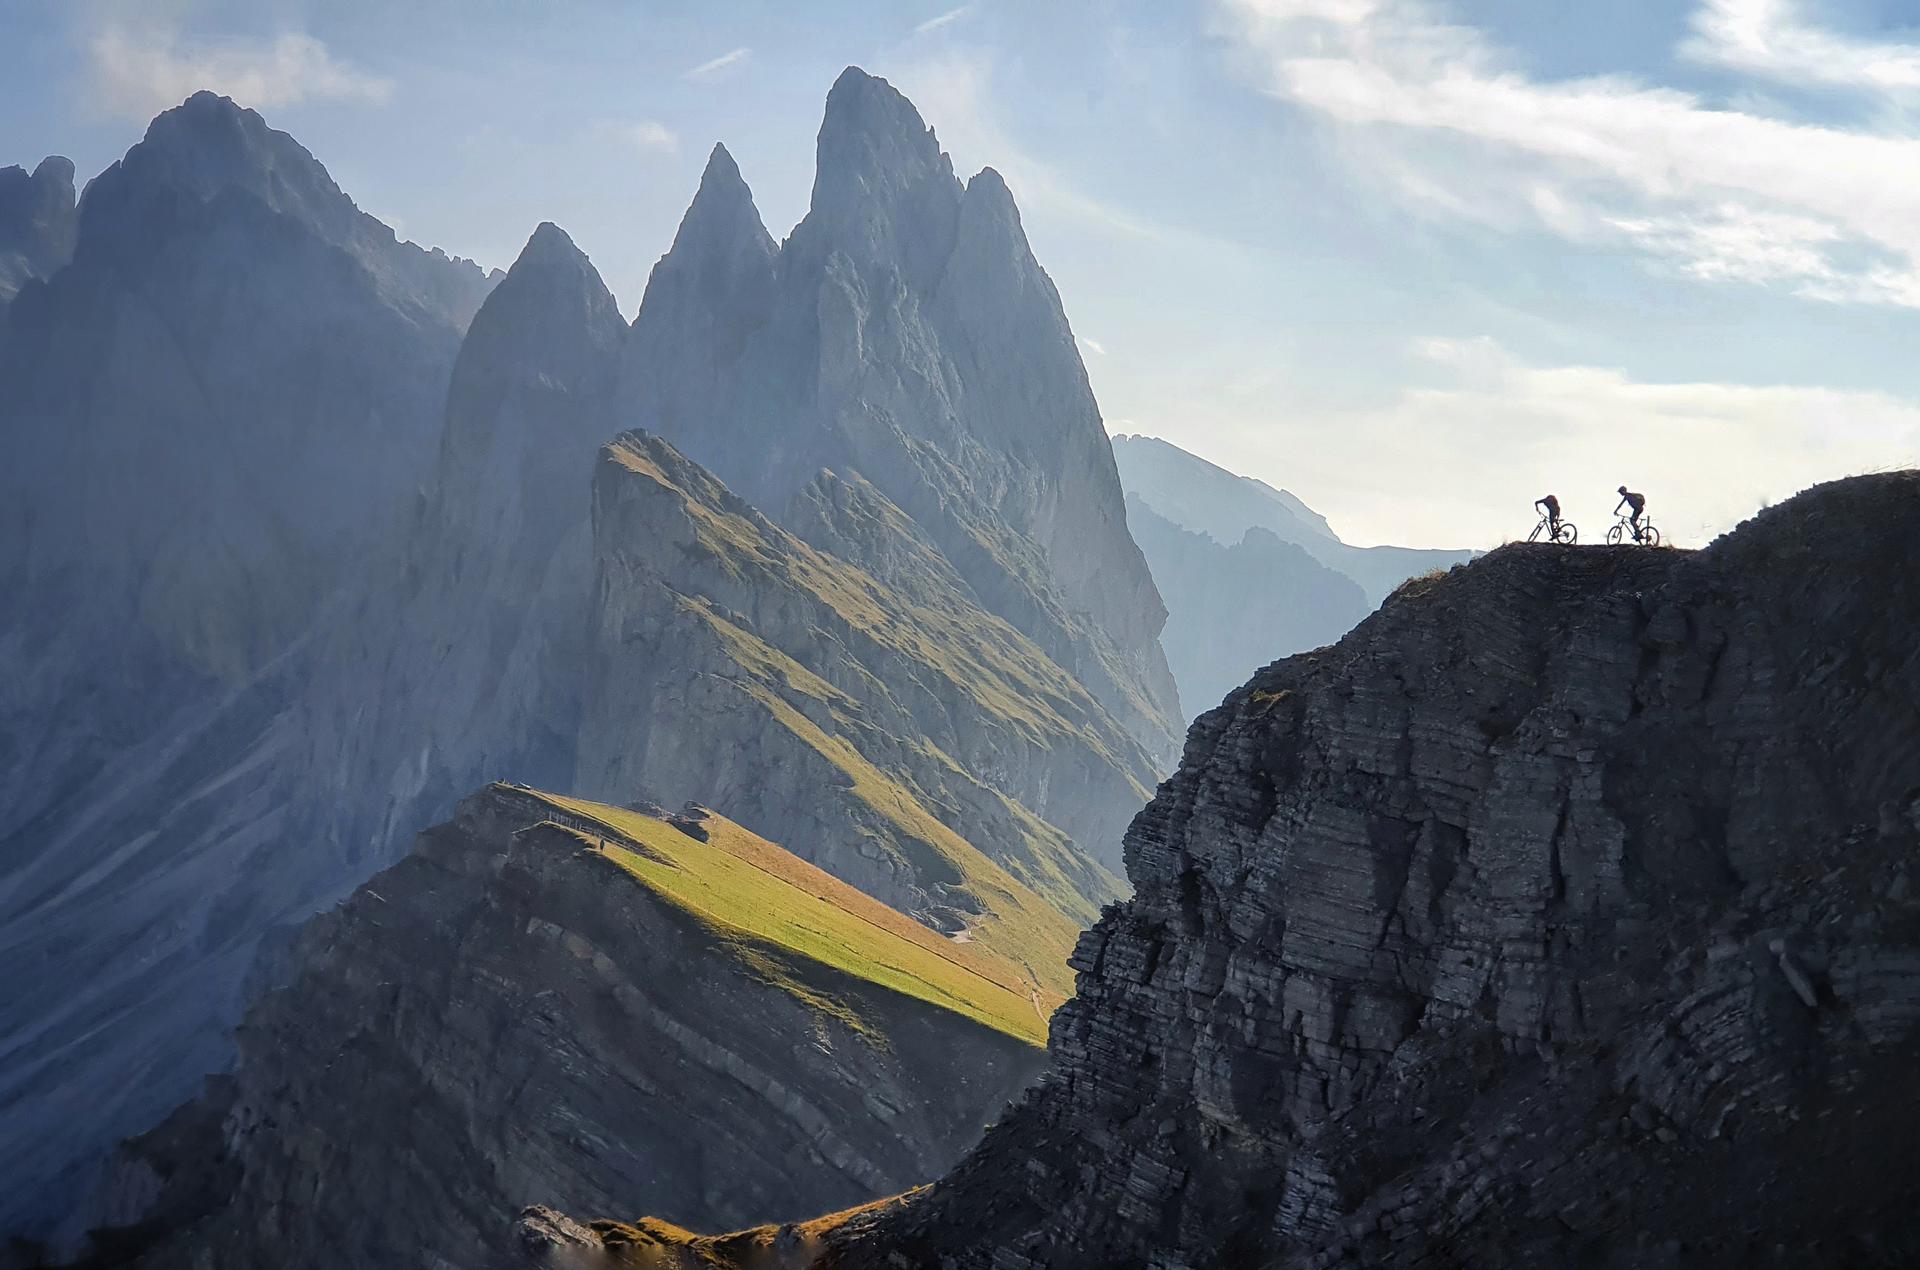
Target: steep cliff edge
[[560, 1002], [1564, 913]]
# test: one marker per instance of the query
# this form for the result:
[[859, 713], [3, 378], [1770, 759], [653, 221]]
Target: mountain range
[[314, 532]]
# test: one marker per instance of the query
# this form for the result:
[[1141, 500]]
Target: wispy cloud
[[720, 65], [139, 70], [1440, 113], [649, 136], [1481, 433], [945, 19], [1771, 38], [1094, 346]]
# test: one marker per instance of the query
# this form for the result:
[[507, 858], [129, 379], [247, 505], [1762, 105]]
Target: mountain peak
[[875, 155]]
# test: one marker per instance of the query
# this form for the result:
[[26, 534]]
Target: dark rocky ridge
[[905, 335], [1564, 913], [507, 1017], [1233, 607], [38, 223]]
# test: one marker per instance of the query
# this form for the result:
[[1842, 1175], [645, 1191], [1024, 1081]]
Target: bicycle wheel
[[1649, 536], [1569, 534], [1616, 535]]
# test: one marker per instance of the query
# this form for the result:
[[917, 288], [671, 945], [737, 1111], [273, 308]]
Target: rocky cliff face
[[1562, 914], [216, 414], [559, 1003], [1232, 608], [1204, 498], [905, 335], [37, 224]]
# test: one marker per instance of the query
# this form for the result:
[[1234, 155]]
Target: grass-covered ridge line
[[758, 895]]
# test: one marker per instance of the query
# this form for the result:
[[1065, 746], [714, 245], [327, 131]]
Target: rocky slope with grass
[[558, 1002], [905, 336], [906, 741], [1564, 913]]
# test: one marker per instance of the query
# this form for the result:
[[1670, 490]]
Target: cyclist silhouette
[[1551, 506], [1638, 502]]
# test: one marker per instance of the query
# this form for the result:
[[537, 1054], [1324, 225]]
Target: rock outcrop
[[904, 335], [1232, 608], [566, 1004], [38, 222], [1564, 913], [1197, 495]]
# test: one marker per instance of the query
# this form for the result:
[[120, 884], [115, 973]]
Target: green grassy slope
[[762, 898]]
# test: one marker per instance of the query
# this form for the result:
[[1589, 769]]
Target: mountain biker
[[1638, 502], [1551, 506]]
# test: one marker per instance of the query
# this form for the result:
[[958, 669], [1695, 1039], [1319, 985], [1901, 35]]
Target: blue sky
[[1417, 261]]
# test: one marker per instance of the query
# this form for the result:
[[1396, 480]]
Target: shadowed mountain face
[[37, 224], [298, 567], [905, 335], [557, 1002], [1196, 495], [1563, 913], [214, 413], [1234, 608]]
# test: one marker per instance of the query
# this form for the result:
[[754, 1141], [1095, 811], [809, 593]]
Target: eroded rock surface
[[1562, 914]]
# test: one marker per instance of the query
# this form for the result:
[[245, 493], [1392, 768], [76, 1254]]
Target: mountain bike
[[1622, 531], [1566, 535]]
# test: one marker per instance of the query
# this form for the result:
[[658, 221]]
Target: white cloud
[[1433, 108], [945, 19], [1094, 346], [719, 65], [1457, 460], [649, 136], [1770, 38], [138, 71]]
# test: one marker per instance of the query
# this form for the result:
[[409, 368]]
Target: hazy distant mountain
[[1231, 609], [904, 334], [1197, 495], [38, 222]]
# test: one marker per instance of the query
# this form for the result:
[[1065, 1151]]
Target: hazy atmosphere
[[1478, 250], [1249, 635]]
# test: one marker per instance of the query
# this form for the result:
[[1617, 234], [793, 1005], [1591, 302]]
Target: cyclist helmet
[[1623, 489]]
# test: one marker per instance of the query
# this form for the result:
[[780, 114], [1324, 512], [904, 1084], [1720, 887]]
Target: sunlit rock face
[[1564, 913], [905, 335]]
